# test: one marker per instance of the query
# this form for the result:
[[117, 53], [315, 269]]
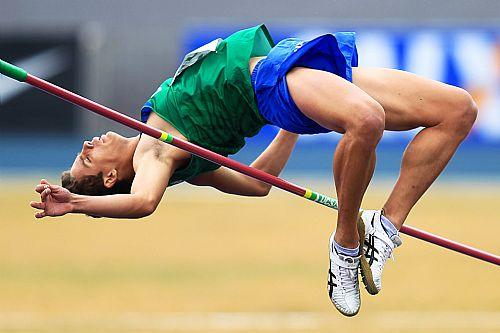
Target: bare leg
[[424, 159], [339, 105], [371, 168], [446, 113], [351, 169], [369, 172]]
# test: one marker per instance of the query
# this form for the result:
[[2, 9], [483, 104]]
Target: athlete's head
[[104, 166]]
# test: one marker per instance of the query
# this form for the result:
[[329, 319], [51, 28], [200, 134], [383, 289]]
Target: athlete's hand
[[55, 200]]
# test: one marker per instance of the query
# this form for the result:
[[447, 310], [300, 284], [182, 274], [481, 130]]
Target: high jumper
[[228, 90]]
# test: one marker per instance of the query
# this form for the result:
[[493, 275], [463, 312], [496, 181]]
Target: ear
[[110, 178]]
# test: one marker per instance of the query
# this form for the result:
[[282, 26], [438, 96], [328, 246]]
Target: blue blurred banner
[[464, 57]]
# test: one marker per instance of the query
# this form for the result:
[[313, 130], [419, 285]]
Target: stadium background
[[105, 276]]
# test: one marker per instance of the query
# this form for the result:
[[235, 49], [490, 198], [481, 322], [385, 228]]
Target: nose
[[87, 145]]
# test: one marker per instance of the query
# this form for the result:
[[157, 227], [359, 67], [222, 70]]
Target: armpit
[[159, 151]]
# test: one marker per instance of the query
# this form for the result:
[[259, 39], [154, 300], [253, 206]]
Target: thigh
[[409, 101], [328, 99]]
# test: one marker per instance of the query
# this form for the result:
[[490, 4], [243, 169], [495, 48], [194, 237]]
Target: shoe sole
[[348, 314], [366, 272]]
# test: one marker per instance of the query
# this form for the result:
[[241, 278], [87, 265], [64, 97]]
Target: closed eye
[[82, 159]]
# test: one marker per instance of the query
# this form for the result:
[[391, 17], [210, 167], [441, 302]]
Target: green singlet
[[210, 99]]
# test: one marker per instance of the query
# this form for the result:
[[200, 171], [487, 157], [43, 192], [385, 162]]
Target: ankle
[[346, 242], [346, 251], [389, 228], [393, 218]]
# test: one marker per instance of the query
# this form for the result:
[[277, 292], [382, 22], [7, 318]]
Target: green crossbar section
[[12, 71], [322, 199]]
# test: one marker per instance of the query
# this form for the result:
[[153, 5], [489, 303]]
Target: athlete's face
[[101, 154]]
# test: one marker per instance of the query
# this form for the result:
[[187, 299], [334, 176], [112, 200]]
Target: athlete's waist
[[253, 62]]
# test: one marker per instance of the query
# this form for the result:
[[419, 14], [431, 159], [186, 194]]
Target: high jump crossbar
[[21, 75]]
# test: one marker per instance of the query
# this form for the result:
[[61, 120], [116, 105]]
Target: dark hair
[[93, 185]]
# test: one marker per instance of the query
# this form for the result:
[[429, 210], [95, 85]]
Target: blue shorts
[[334, 53]]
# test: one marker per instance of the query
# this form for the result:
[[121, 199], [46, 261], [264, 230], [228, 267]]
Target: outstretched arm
[[154, 166], [58, 201], [272, 161], [145, 195]]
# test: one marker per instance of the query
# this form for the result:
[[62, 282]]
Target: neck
[[127, 166]]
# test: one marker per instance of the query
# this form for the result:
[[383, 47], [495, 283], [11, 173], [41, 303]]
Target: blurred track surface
[[209, 262]]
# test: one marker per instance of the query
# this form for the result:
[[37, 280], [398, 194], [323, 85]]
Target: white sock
[[345, 250], [389, 228]]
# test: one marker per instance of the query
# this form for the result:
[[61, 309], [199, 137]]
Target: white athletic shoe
[[343, 284], [377, 248]]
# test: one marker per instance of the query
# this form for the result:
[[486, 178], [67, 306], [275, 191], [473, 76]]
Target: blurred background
[[207, 261]]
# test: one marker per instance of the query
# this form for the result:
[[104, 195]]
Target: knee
[[367, 122], [464, 112]]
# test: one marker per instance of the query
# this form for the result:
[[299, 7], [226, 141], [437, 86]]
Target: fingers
[[40, 215], [37, 205], [40, 187], [43, 183], [45, 193], [44, 189]]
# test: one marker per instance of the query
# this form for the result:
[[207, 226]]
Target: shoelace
[[348, 280]]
